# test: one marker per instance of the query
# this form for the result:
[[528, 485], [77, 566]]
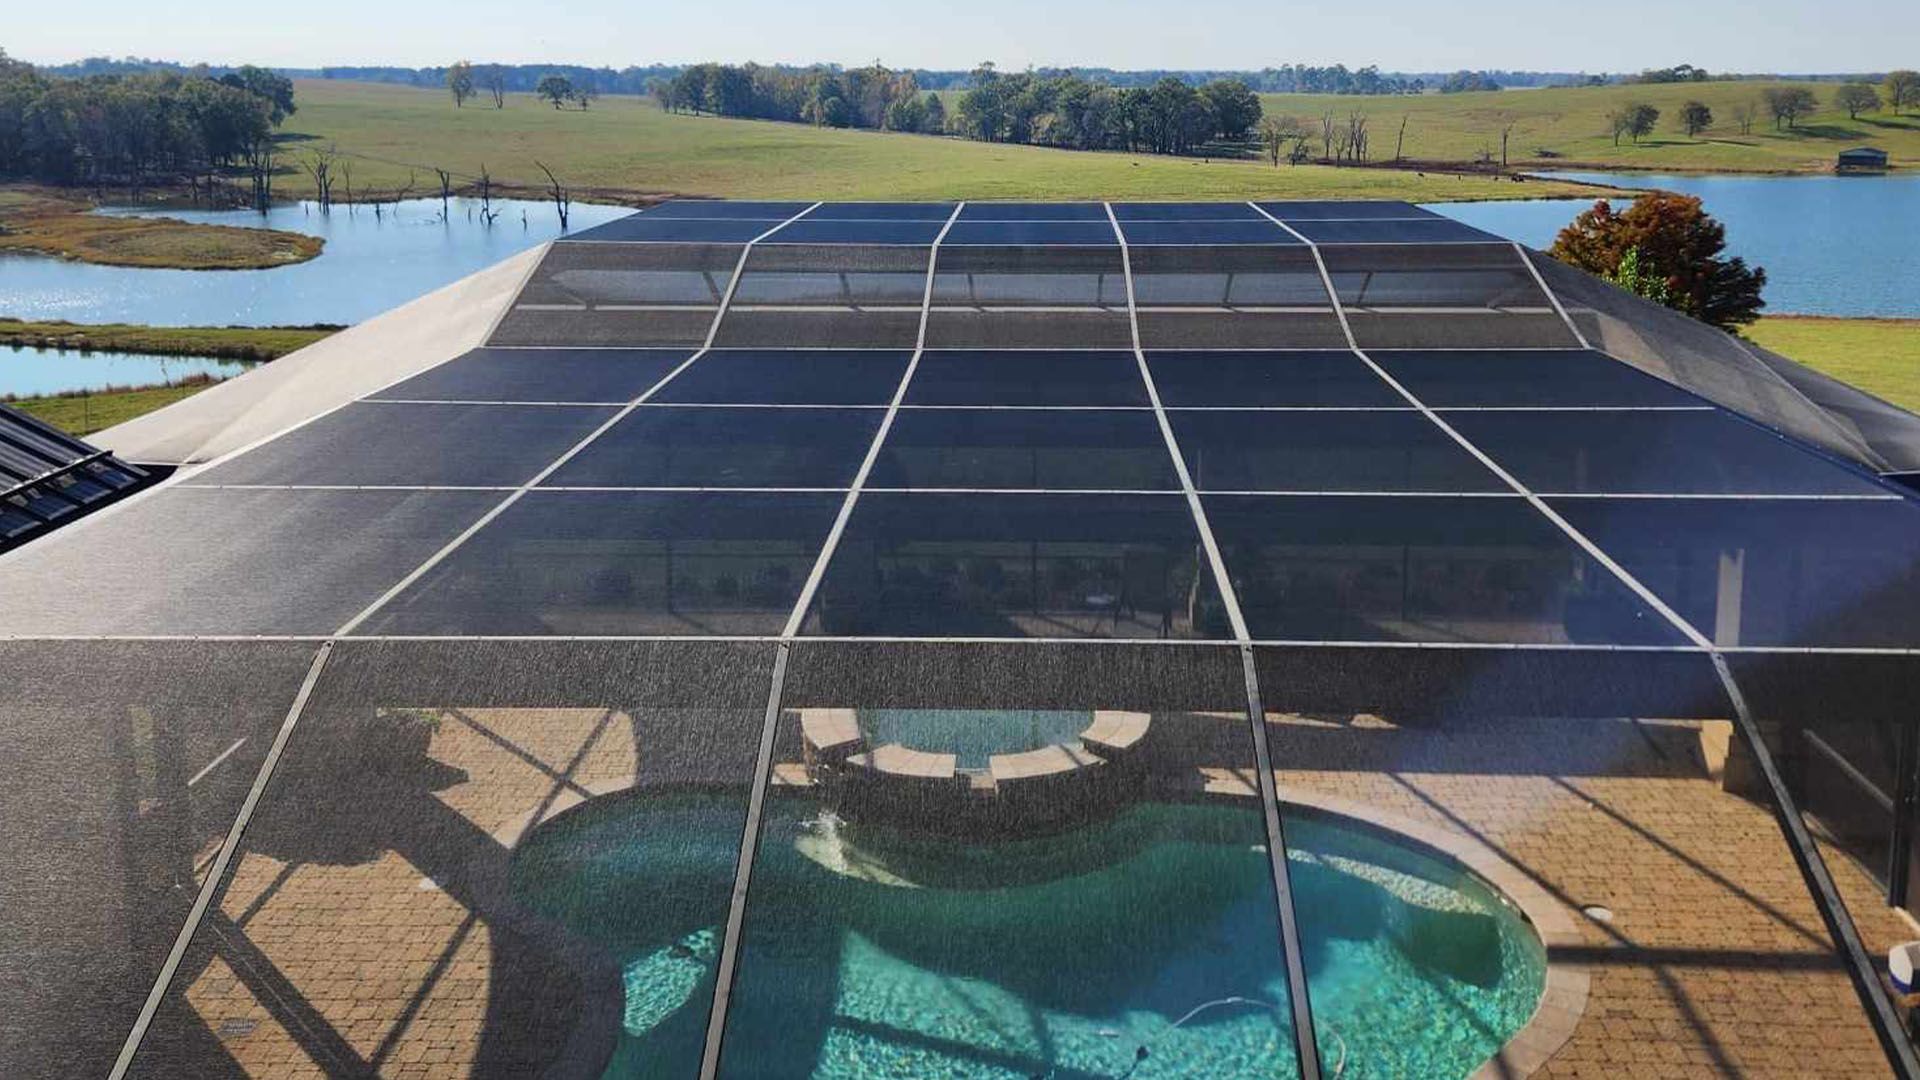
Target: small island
[[63, 224]]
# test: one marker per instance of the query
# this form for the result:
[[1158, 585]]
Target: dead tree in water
[[487, 213], [562, 198], [346, 178], [446, 191], [319, 165], [259, 155], [399, 195]]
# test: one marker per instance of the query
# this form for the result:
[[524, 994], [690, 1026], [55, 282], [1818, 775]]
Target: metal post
[[1900, 845]]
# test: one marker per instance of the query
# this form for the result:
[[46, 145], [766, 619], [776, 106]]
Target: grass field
[[625, 147], [1572, 123], [227, 342], [58, 223], [1880, 356], [83, 414]]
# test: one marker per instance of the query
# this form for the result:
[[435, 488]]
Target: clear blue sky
[[1423, 35]]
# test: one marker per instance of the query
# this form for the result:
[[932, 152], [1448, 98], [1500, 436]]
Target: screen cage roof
[[723, 470]]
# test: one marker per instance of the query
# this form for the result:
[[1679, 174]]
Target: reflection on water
[[36, 372], [371, 263], [1831, 245]]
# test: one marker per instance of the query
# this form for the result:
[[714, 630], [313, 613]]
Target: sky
[[1398, 35]]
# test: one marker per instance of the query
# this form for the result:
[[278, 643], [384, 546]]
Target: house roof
[[724, 460]]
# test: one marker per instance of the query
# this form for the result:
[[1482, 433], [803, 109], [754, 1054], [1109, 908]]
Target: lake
[[1831, 245], [35, 372], [370, 264]]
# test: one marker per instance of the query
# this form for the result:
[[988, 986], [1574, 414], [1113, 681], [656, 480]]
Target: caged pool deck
[[1294, 639]]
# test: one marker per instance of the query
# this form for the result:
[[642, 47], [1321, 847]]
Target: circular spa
[[1140, 945]]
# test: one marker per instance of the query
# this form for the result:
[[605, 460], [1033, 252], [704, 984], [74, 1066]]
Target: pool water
[[1142, 946], [973, 735]]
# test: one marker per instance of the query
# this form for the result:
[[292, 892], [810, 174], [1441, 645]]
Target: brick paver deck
[[379, 956], [1715, 961]]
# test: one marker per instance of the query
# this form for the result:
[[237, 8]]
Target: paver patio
[[384, 960]]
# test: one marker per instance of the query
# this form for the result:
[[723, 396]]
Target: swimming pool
[[973, 735], [1140, 946]]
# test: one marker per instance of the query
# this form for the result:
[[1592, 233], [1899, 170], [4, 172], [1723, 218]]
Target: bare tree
[[493, 79], [319, 165], [1273, 138], [1326, 136], [487, 213], [446, 191], [346, 180], [1400, 141], [400, 193], [1277, 133], [1744, 114], [259, 156], [562, 198], [1506, 132], [1354, 139]]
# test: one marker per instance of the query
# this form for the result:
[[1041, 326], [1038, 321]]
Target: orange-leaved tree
[[1675, 242]]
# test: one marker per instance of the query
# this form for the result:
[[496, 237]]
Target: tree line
[[1066, 110], [1169, 117], [874, 97], [140, 129]]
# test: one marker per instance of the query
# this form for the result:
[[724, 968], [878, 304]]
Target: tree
[[1461, 82], [562, 198], [493, 79], [1676, 243], [1856, 98], [1695, 118], [1277, 134], [557, 89], [1639, 120], [1616, 124], [1743, 114], [1903, 89], [933, 118], [275, 89], [460, 82], [1633, 276], [1236, 108], [906, 114], [1788, 103]]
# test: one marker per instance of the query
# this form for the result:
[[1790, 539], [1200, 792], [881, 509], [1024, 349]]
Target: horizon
[[1773, 36], [300, 71]]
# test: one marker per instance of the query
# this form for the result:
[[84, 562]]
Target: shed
[[1862, 158]]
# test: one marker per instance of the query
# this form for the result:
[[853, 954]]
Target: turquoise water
[[972, 735], [870, 954], [370, 264], [1831, 245], [34, 372]]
